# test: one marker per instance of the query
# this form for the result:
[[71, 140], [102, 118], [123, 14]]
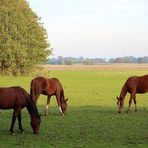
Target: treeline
[[90, 61]]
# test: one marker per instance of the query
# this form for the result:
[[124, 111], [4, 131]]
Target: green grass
[[92, 120]]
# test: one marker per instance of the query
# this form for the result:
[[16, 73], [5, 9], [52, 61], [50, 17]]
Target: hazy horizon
[[95, 28]]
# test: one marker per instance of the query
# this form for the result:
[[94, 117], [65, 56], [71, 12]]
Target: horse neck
[[32, 108], [123, 92]]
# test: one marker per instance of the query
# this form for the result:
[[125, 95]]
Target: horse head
[[64, 106], [120, 104], [35, 123]]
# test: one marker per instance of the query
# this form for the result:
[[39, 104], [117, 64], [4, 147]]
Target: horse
[[17, 98], [133, 85], [49, 87]]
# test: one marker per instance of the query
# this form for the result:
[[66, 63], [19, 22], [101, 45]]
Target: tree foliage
[[23, 40]]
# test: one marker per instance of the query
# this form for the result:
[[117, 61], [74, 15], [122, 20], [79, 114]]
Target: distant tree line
[[90, 61]]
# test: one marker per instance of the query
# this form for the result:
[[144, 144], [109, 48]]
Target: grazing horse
[[49, 87], [17, 98], [133, 85]]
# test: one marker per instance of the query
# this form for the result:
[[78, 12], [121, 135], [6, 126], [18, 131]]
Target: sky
[[95, 28]]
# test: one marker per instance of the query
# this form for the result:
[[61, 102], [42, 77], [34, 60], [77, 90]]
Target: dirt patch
[[98, 67]]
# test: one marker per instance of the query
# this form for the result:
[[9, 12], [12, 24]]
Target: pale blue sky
[[95, 28]]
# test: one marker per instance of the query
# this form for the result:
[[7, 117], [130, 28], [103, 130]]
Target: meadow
[[92, 120]]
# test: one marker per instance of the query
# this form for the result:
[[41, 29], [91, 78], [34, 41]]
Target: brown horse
[[133, 85], [49, 87], [17, 98]]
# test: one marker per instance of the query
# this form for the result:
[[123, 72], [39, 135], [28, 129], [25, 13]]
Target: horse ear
[[66, 100]]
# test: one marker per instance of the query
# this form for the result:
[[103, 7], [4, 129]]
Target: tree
[[23, 40], [69, 61], [60, 60], [143, 59], [88, 61]]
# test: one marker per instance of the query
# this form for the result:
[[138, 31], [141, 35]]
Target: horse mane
[[62, 98], [30, 103], [32, 108], [123, 92]]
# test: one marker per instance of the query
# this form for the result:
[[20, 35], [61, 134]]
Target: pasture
[[92, 119]]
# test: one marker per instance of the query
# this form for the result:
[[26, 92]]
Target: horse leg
[[130, 102], [15, 114], [135, 103], [47, 105], [59, 103], [19, 121]]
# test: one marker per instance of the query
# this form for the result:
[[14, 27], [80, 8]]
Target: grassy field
[[92, 119]]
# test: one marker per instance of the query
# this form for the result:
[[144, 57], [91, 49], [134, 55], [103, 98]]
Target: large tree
[[23, 40]]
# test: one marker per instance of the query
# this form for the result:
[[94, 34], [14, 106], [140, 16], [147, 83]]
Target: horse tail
[[32, 90]]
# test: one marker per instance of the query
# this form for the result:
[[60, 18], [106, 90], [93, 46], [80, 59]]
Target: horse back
[[142, 84], [54, 86], [12, 97], [138, 84], [45, 86]]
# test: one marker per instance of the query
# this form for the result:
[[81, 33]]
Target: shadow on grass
[[83, 126], [96, 125]]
